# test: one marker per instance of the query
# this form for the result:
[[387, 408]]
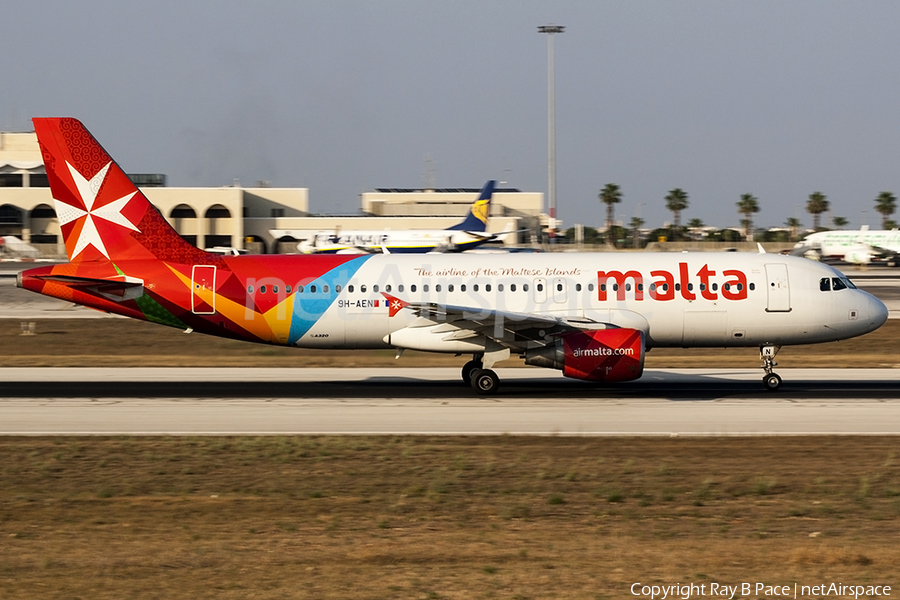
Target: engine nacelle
[[600, 355], [858, 255]]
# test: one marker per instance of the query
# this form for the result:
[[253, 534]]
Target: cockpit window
[[849, 283], [838, 284], [825, 284]]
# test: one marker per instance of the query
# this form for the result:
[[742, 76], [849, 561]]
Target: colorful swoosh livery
[[592, 316]]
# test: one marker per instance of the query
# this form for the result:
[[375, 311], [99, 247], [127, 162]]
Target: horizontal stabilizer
[[117, 290]]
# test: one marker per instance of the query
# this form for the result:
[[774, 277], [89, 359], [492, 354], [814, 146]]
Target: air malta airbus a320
[[593, 316]]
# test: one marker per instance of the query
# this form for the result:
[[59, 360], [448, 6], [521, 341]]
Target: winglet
[[761, 249]]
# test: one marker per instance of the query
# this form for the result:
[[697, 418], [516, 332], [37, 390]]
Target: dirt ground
[[128, 343], [441, 517], [431, 517]]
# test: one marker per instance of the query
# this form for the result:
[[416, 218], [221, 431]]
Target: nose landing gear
[[771, 380]]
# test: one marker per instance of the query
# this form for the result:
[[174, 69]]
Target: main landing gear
[[771, 380], [483, 381]]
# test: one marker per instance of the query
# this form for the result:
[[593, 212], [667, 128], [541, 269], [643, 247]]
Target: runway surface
[[434, 401]]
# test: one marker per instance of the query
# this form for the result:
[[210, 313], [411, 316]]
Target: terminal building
[[257, 219]]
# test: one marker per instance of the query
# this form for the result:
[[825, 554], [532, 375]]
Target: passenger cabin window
[[249, 289]]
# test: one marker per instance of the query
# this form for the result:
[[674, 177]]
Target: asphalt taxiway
[[434, 401]]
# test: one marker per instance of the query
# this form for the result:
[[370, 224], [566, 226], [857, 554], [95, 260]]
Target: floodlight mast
[[551, 128]]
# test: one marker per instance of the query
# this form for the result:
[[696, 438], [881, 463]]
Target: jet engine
[[597, 355], [858, 255]]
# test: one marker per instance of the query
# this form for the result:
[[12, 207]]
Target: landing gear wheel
[[772, 381], [485, 382], [468, 369]]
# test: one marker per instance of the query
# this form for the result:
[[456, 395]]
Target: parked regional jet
[[465, 235], [861, 246], [594, 316]]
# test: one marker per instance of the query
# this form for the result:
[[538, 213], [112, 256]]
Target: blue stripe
[[309, 307]]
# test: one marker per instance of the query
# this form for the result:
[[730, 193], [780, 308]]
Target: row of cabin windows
[[665, 287], [312, 289]]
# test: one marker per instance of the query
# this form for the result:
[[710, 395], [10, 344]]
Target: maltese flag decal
[[395, 305]]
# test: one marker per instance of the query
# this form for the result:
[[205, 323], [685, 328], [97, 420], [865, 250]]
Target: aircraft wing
[[885, 252], [507, 329], [482, 236]]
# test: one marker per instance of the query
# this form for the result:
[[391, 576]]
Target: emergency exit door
[[203, 290]]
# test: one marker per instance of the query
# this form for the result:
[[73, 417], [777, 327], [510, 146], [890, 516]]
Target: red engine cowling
[[601, 355]]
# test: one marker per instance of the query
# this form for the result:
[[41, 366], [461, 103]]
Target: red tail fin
[[102, 215]]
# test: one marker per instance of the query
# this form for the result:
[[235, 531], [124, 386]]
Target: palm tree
[[610, 195], [748, 206], [886, 204], [636, 224], [817, 204], [840, 222], [676, 201], [793, 224]]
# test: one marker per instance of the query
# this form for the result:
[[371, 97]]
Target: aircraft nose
[[878, 313]]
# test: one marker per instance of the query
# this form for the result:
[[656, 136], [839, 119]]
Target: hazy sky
[[774, 98]]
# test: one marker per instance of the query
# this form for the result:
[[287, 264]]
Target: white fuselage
[[687, 299], [856, 246], [405, 241]]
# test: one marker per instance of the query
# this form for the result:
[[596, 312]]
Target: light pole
[[551, 127]]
